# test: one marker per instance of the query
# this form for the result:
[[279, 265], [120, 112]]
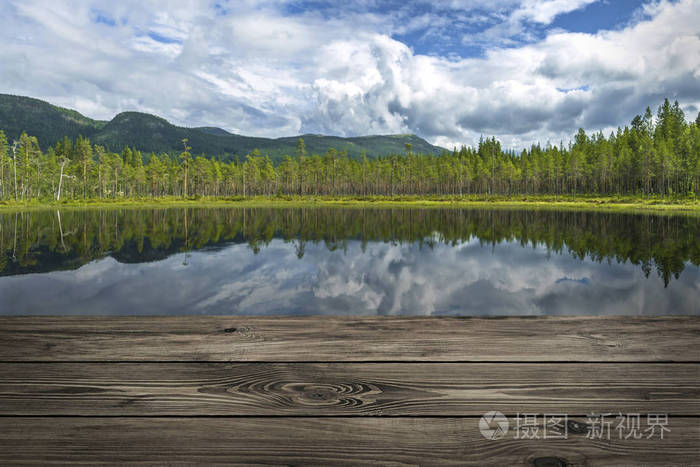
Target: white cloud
[[254, 68], [545, 11], [515, 27]]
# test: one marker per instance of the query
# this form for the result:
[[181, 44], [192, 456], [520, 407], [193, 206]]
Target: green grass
[[607, 203]]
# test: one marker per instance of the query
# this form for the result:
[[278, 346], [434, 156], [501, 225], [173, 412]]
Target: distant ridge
[[150, 133]]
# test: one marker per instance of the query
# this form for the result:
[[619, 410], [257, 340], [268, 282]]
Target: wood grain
[[304, 339], [324, 442], [346, 389], [339, 391]]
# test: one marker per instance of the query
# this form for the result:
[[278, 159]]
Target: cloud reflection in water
[[385, 279]]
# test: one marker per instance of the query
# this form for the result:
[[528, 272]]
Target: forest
[[654, 156]]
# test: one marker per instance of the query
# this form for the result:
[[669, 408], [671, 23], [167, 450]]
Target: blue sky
[[449, 71]]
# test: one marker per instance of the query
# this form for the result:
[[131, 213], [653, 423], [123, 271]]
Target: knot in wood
[[320, 392], [325, 394], [577, 427], [549, 462]]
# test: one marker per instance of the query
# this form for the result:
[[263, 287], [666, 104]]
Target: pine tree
[[3, 159], [186, 159], [301, 148]]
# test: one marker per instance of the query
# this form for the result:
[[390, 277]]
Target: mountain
[[150, 133], [47, 122]]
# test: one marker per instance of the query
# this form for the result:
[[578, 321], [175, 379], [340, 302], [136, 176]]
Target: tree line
[[653, 156], [41, 241]]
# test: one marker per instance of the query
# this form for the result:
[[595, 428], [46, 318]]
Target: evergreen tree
[[186, 159]]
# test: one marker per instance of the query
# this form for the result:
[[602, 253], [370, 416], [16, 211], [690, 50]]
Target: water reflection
[[349, 261]]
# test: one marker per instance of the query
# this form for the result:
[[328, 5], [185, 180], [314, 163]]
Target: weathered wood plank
[[330, 441], [233, 338], [346, 389]]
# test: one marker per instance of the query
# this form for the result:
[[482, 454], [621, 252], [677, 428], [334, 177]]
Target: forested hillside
[[652, 156], [149, 133], [48, 122]]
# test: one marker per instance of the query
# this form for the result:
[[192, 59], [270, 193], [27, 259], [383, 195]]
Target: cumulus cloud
[[270, 68]]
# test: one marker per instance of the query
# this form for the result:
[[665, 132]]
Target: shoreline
[[590, 203]]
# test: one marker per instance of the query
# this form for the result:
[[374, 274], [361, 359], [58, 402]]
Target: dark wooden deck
[[342, 391]]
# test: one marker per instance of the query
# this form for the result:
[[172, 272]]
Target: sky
[[449, 71]]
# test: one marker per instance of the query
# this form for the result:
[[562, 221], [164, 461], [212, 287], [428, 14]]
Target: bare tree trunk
[[14, 160], [60, 183]]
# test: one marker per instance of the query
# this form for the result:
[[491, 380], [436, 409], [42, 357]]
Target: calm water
[[347, 261]]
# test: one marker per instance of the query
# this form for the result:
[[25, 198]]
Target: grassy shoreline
[[598, 203]]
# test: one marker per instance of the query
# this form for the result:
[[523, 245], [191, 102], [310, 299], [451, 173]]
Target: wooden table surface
[[346, 391]]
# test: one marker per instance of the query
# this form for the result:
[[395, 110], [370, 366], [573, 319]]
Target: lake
[[348, 261]]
